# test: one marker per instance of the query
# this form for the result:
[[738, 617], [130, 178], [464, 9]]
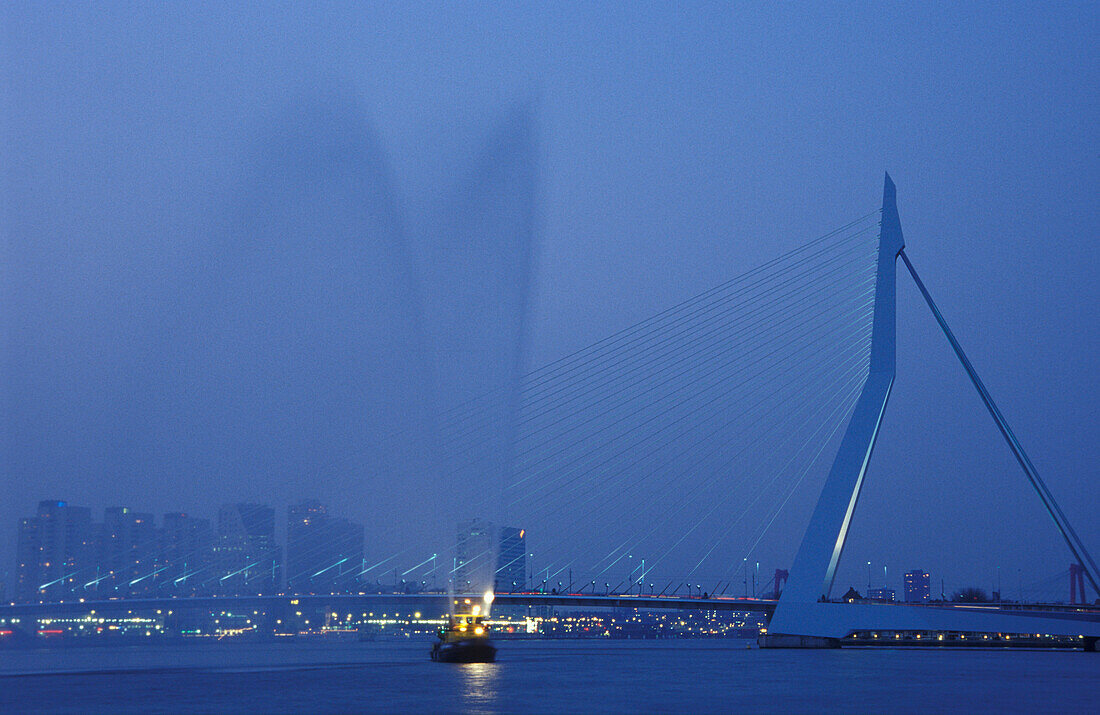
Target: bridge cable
[[1076, 546]]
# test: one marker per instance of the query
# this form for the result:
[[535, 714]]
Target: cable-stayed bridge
[[805, 615], [697, 428]]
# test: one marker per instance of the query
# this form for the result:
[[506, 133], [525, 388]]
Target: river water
[[684, 676]]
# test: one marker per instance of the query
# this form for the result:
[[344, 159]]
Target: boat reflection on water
[[480, 686], [466, 636]]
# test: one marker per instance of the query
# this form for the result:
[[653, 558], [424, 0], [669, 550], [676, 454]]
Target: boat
[[465, 639]]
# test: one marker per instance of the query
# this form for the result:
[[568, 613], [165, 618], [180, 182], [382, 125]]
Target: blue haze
[[190, 315]]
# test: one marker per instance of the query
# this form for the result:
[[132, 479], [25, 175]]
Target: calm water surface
[[544, 677]]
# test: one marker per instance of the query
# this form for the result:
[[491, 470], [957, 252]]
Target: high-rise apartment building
[[127, 554], [475, 557], [186, 550], [54, 551], [512, 560], [305, 545], [324, 554], [247, 560], [27, 555], [487, 557], [917, 587]]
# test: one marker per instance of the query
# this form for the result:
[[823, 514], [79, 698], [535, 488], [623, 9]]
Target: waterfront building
[[486, 556], [52, 548], [324, 554], [305, 543], [186, 550], [53, 552], [247, 559], [512, 560], [881, 594], [27, 569], [126, 560], [345, 561], [474, 556], [917, 587]]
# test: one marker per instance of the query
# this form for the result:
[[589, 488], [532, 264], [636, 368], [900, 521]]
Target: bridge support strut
[[804, 617], [1073, 541]]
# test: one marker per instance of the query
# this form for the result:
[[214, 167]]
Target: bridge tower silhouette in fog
[[804, 616]]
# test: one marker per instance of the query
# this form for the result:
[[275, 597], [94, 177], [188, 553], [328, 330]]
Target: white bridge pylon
[[803, 609]]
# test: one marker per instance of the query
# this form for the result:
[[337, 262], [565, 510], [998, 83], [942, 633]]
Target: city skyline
[[63, 552], [106, 556]]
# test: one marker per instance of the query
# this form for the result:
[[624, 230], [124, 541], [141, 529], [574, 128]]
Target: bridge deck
[[425, 602], [432, 602]]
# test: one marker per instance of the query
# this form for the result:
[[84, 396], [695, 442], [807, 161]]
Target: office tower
[[305, 544], [127, 554], [324, 554], [346, 558], [512, 560], [247, 560], [27, 555], [474, 556], [917, 589], [185, 552], [54, 551]]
